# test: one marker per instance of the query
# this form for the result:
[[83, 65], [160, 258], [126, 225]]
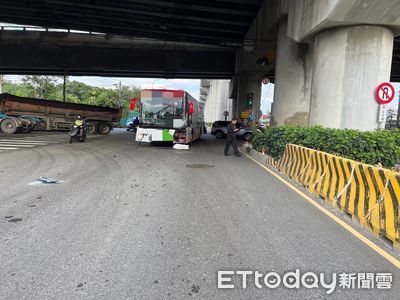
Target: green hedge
[[381, 146]]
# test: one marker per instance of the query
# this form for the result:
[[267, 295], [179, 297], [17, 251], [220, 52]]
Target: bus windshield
[[161, 112]]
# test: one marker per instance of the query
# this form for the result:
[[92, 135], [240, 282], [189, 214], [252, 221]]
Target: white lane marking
[[8, 148], [45, 138], [28, 142], [23, 142], [15, 145]]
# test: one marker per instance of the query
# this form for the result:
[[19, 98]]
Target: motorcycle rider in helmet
[[80, 122]]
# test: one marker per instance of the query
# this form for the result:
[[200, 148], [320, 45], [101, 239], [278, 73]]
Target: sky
[[190, 85], [267, 97], [395, 102]]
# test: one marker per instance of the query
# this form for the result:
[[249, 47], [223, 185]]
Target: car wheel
[[219, 134], [248, 136]]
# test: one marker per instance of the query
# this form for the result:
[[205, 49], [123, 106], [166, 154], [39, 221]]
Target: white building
[[215, 94]]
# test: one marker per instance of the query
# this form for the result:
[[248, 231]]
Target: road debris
[[45, 180], [181, 147]]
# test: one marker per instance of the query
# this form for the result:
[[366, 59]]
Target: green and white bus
[[169, 116]]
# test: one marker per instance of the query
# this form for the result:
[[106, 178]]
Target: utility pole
[[120, 93], [1, 83], [41, 89], [119, 85], [64, 89]]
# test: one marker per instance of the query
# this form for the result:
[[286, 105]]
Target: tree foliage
[[49, 87], [381, 146], [41, 86]]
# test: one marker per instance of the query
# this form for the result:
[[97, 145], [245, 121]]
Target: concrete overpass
[[326, 57], [191, 39], [36, 50]]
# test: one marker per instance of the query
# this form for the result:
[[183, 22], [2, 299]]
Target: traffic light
[[133, 104], [250, 100]]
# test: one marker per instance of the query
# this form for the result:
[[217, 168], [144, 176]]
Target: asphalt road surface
[[137, 223]]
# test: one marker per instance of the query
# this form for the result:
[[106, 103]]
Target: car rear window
[[220, 123]]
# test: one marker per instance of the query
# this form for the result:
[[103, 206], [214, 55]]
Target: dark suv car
[[220, 128]]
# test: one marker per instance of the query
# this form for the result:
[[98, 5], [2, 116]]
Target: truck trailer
[[20, 113]]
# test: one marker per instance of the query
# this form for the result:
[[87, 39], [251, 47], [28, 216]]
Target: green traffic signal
[[250, 97]]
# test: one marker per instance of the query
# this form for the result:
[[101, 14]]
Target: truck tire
[[92, 128], [104, 128], [27, 130], [9, 126]]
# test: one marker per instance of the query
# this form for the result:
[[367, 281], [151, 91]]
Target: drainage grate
[[200, 166]]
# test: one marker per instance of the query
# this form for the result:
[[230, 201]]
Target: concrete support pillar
[[217, 101], [249, 82], [349, 63], [292, 80], [233, 108]]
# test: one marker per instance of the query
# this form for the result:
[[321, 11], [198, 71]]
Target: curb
[[262, 158]]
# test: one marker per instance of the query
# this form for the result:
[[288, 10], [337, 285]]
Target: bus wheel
[[104, 128], [9, 126]]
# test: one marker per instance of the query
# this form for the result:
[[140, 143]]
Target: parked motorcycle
[[78, 132]]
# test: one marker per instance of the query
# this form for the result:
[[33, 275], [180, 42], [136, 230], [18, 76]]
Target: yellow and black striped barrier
[[369, 194]]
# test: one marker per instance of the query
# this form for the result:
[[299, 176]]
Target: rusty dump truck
[[21, 114]]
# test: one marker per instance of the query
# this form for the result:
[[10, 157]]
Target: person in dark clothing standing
[[135, 124], [231, 138]]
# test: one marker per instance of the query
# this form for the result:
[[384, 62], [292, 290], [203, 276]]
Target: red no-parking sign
[[265, 80], [385, 93]]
